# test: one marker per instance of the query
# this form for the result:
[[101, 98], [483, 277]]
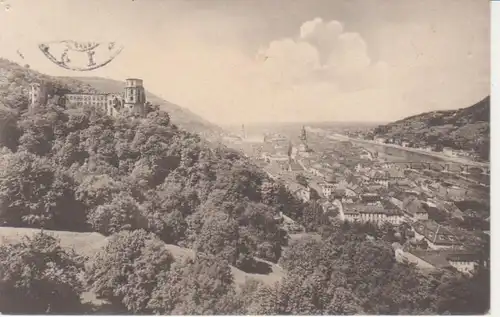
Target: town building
[[294, 167], [329, 208], [465, 262], [270, 158], [339, 193], [301, 192], [370, 198], [366, 155], [396, 202], [450, 152], [360, 168], [376, 214], [316, 170], [382, 181], [395, 174], [436, 236], [328, 186], [429, 260], [422, 259], [327, 189], [415, 208]]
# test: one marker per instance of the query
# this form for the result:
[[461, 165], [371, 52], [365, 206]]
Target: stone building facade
[[131, 101]]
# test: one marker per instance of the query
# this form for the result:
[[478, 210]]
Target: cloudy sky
[[242, 61]]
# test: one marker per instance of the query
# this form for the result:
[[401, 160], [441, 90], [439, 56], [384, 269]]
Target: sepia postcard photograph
[[245, 157]]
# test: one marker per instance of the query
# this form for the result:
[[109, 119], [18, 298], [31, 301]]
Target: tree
[[262, 301], [158, 117], [219, 237], [301, 255], [125, 272], [38, 277], [463, 295], [41, 128], [122, 213], [9, 131], [201, 286], [33, 194], [96, 190], [302, 180]]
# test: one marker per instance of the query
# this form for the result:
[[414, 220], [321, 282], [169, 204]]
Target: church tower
[[135, 97], [303, 138], [303, 135]]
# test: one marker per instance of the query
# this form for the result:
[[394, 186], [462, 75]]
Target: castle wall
[[133, 99]]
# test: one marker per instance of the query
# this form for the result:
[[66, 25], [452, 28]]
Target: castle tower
[[135, 96], [38, 94]]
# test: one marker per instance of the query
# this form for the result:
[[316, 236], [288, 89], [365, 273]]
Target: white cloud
[[322, 52]]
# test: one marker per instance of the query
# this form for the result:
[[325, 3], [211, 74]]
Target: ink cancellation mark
[[5, 4], [80, 56]]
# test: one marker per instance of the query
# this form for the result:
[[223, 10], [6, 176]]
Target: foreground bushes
[[37, 277]]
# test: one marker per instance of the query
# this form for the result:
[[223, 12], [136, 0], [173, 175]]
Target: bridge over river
[[412, 155], [450, 167]]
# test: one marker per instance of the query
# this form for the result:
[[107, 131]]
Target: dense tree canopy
[[126, 269], [38, 277], [201, 286], [75, 169]]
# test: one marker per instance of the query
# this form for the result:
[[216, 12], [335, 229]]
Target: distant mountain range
[[466, 129]]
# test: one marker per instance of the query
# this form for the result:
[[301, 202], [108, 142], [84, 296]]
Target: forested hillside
[[465, 129], [146, 183]]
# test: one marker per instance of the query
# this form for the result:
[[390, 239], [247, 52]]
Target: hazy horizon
[[278, 123], [234, 62]]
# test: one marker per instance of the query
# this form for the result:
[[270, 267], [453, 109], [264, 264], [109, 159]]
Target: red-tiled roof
[[339, 192], [435, 258], [395, 173], [294, 166], [435, 233], [465, 257], [414, 206], [366, 209]]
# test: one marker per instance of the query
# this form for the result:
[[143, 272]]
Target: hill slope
[[466, 129], [15, 83], [180, 116]]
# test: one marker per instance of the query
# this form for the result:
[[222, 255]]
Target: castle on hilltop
[[131, 101]]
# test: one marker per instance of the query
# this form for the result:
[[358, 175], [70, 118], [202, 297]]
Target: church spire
[[303, 135]]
